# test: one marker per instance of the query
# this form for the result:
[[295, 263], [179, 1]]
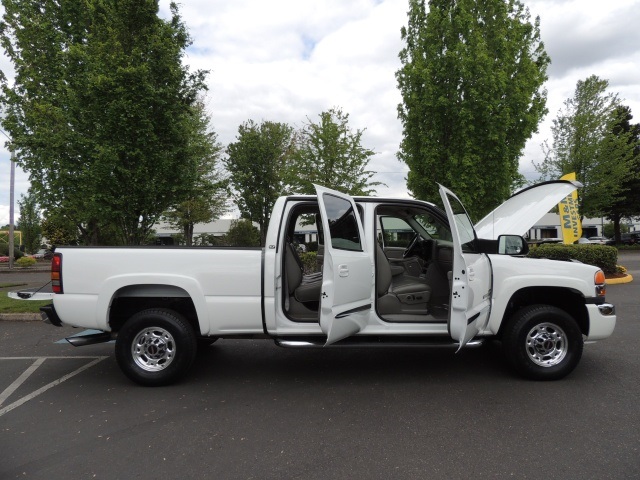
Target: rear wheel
[[542, 342], [156, 347]]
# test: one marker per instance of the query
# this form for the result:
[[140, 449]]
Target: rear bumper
[[49, 315], [602, 321]]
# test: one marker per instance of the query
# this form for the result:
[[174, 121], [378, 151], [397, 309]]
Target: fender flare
[[171, 283]]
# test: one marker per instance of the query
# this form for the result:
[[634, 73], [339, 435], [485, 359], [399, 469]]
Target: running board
[[364, 342], [82, 340]]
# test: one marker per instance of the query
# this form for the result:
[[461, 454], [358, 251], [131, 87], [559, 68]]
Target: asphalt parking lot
[[252, 410]]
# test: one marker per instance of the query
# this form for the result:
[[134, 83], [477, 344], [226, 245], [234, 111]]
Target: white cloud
[[286, 60], [21, 186], [4, 215]]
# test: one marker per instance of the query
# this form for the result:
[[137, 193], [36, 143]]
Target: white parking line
[[38, 361], [21, 379]]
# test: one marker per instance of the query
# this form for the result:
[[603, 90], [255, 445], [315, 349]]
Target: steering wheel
[[409, 250]]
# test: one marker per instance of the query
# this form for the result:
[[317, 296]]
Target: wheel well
[[566, 299], [130, 300]]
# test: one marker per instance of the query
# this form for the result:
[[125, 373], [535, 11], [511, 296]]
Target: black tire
[[156, 347], [542, 342]]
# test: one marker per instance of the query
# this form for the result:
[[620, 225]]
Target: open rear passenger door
[[347, 276], [470, 300]]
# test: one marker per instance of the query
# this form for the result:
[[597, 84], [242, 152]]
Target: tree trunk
[[616, 228], [188, 234]]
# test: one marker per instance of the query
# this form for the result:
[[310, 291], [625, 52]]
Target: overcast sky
[[289, 60]]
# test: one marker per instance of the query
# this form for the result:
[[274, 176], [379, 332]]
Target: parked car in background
[[583, 240], [631, 238], [602, 240], [543, 241], [43, 254]]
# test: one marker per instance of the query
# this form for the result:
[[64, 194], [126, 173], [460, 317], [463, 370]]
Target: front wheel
[[156, 347], [542, 342]]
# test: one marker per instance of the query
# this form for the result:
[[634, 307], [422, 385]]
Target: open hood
[[521, 212]]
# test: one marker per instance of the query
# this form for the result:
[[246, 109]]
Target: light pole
[[12, 182]]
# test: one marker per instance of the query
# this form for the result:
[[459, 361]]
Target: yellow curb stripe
[[617, 281]]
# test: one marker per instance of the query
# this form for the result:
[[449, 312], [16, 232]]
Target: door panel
[[347, 281], [471, 275]]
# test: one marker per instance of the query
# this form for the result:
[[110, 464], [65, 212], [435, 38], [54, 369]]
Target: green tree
[[609, 230], [206, 199], [471, 84], [587, 140], [29, 223], [59, 230], [627, 204], [99, 111], [243, 233], [257, 163], [330, 153]]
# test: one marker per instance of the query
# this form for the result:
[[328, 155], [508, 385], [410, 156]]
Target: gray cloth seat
[[304, 288], [407, 284], [400, 293]]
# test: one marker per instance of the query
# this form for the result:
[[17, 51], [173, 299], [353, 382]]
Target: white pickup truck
[[390, 271]]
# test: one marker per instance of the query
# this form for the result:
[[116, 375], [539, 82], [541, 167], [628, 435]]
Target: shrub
[[601, 256], [4, 251], [242, 233], [309, 262], [629, 247], [26, 262]]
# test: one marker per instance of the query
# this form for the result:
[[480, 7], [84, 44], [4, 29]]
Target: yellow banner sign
[[569, 216]]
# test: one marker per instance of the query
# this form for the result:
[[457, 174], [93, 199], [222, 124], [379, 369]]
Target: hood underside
[[521, 212]]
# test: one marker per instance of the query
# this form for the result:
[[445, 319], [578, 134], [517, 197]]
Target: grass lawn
[[9, 305]]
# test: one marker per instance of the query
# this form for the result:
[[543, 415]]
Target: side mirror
[[512, 245]]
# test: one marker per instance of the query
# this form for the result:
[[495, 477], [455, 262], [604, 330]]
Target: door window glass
[[434, 227], [343, 226], [395, 232], [465, 227]]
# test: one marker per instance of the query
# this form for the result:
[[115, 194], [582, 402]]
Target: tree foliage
[[627, 204], [257, 163], [59, 230], [330, 153], [242, 233], [100, 108], [29, 223], [206, 197], [471, 83], [609, 230], [588, 139]]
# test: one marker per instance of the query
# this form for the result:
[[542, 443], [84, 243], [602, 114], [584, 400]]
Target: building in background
[[549, 227], [165, 234]]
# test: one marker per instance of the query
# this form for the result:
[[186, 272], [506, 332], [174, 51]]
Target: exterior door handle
[[343, 270]]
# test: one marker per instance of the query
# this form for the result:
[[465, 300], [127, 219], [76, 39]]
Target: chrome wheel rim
[[153, 349], [546, 344]]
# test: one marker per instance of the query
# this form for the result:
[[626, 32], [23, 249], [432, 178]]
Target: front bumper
[[602, 321]]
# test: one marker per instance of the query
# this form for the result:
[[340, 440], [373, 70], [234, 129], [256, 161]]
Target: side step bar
[[92, 339], [364, 342]]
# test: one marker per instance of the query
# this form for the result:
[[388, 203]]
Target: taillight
[[599, 280], [56, 273]]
